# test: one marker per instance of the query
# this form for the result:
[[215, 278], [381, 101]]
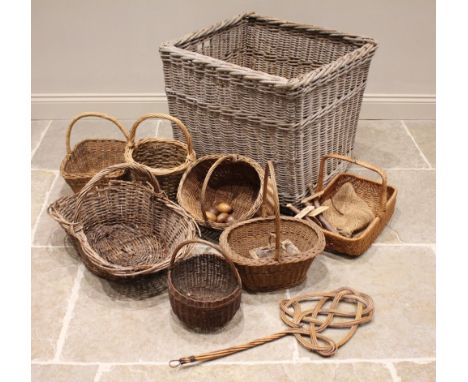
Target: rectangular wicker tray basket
[[271, 90]]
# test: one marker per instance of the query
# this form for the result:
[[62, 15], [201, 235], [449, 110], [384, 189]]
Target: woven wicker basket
[[269, 89], [167, 159], [212, 179], [282, 270], [123, 230], [380, 197], [204, 289], [92, 155]]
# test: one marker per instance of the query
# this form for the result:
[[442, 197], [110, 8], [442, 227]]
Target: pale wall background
[[103, 54]]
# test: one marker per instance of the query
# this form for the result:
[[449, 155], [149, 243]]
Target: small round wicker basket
[[212, 179], [204, 289], [167, 159], [92, 155]]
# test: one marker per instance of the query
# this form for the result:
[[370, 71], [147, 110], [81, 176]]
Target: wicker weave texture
[[283, 270], [269, 89], [379, 196], [123, 230], [166, 159], [212, 179], [204, 289]]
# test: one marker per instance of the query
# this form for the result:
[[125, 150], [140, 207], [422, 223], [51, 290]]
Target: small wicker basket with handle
[[212, 179], [167, 159], [379, 196], [92, 155], [123, 230], [204, 289], [281, 270]]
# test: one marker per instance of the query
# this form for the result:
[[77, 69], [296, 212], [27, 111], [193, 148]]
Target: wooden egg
[[214, 211], [222, 217], [230, 219], [211, 216], [224, 207]]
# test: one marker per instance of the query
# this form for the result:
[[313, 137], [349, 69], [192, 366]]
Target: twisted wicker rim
[[217, 160], [187, 147], [218, 301], [277, 219], [84, 175], [365, 45]]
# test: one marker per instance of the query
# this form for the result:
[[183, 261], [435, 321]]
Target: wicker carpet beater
[[306, 324]]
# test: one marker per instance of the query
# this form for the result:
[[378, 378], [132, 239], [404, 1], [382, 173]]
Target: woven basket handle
[[270, 172], [383, 195], [92, 114], [208, 175], [212, 245], [138, 169], [178, 122]]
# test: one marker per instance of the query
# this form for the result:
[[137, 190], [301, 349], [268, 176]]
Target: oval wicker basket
[[92, 155], [167, 159], [124, 229], [233, 179], [204, 289], [281, 270]]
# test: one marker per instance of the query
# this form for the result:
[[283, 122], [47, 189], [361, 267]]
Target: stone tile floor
[[83, 330]]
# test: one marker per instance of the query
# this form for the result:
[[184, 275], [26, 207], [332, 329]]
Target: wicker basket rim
[[190, 157], [364, 46], [316, 249], [214, 303], [220, 226]]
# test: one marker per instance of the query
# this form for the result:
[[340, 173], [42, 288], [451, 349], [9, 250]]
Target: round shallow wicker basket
[[212, 179], [92, 155], [167, 159], [123, 230], [282, 270], [204, 289]]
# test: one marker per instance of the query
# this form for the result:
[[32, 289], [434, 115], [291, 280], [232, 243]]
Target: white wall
[[103, 54]]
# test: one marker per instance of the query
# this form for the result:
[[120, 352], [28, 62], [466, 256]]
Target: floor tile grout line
[[393, 371], [417, 360], [100, 370], [69, 313], [402, 244], [45, 169], [43, 208], [405, 127], [41, 138], [50, 246]]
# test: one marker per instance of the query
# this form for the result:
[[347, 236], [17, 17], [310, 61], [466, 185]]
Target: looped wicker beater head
[[306, 323]]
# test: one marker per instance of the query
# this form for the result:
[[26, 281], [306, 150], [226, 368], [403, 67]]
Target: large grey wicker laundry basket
[[271, 90]]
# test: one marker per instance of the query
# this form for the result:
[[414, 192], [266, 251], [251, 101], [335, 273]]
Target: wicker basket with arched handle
[[167, 159], [379, 196], [124, 229], [204, 289], [212, 179], [90, 156], [283, 270]]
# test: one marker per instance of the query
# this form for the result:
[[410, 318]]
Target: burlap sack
[[347, 212]]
